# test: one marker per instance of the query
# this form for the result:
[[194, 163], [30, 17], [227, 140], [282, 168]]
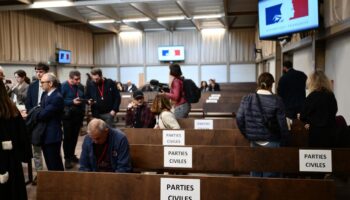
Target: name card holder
[[315, 160]]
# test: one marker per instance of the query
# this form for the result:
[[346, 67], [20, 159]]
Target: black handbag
[[271, 124]]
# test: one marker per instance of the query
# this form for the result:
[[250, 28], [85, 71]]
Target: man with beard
[[103, 96]]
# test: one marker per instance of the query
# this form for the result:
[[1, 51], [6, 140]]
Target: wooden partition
[[230, 160], [100, 186], [192, 137], [217, 137]]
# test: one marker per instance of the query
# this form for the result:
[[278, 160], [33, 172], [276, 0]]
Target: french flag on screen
[[288, 10]]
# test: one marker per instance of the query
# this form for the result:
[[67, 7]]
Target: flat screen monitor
[[278, 18], [64, 56], [171, 53]]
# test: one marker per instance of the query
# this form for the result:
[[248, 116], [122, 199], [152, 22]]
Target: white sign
[[214, 97], [174, 137], [126, 96], [315, 160], [203, 124], [211, 101], [179, 189], [178, 157]]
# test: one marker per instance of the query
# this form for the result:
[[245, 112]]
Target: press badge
[[7, 145]]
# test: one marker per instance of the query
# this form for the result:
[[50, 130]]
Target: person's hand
[[76, 101], [112, 113], [91, 101], [24, 113], [307, 126]]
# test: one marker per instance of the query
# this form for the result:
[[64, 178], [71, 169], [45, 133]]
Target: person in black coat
[[103, 96], [319, 111], [291, 88], [213, 86], [14, 149]]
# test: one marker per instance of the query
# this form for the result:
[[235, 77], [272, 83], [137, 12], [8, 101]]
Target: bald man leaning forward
[[104, 149]]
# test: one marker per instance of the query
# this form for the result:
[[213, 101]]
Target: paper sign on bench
[[315, 160], [204, 124], [176, 188], [178, 157], [214, 98], [211, 101], [174, 137]]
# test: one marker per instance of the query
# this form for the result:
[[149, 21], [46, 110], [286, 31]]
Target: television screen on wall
[[278, 18], [64, 56], [171, 53]]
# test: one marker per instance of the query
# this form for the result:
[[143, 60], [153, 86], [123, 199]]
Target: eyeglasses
[[42, 82]]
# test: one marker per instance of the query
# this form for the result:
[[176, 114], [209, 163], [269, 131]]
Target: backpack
[[192, 92]]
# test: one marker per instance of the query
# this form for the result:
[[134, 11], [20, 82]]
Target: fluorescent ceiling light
[[51, 4], [213, 31], [136, 20], [171, 18], [207, 16], [102, 21]]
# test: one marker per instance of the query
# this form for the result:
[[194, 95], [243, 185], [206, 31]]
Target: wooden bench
[[220, 110], [218, 137], [100, 186], [231, 160]]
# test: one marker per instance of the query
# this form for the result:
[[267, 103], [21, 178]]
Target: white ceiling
[[235, 13]]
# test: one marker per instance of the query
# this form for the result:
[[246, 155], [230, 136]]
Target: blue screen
[[64, 56]]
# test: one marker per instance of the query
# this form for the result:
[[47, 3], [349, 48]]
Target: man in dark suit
[[103, 96], [34, 94], [291, 88], [52, 104]]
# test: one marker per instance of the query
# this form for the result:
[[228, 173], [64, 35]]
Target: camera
[[8, 81], [159, 87]]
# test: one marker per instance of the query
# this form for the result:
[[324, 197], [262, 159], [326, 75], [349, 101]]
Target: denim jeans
[[181, 111], [266, 174]]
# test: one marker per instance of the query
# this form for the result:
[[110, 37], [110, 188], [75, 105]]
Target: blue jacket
[[118, 151], [51, 115], [250, 120]]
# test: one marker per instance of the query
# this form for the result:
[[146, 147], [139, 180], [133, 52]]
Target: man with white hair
[[104, 149], [51, 113]]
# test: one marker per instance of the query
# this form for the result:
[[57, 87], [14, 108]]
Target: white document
[[204, 124], [178, 157], [174, 137], [315, 160], [177, 188]]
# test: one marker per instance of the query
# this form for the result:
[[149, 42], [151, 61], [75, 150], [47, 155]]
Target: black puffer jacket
[[250, 120]]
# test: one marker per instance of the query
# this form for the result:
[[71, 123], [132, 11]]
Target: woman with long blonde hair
[[319, 110]]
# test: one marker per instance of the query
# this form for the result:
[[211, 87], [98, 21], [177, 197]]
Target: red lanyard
[[103, 153], [100, 90], [72, 89]]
